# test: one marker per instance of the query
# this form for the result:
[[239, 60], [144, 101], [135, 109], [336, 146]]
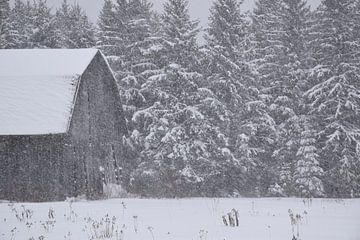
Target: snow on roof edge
[[45, 62]]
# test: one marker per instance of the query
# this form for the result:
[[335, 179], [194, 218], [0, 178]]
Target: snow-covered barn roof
[[38, 89]]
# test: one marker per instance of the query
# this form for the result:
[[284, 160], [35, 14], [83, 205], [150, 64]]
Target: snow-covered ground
[[188, 219]]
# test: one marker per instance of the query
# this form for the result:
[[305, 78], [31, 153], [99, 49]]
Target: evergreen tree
[[179, 34], [4, 23], [308, 173], [226, 68], [113, 33], [136, 61], [137, 66], [63, 22], [282, 58], [185, 153], [21, 27], [108, 38], [4, 10], [44, 32], [267, 52], [231, 78], [335, 95], [74, 26], [296, 20]]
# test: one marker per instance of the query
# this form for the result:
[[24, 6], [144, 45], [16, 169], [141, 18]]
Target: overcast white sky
[[199, 9]]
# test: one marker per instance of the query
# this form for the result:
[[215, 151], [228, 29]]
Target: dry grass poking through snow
[[187, 219]]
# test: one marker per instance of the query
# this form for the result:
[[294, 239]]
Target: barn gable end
[[98, 126]]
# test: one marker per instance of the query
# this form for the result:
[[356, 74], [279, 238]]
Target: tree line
[[269, 105], [34, 25]]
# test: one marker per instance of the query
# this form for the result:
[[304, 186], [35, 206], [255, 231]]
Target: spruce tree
[[62, 16], [185, 153], [108, 32], [180, 35], [4, 23], [308, 172], [136, 62], [41, 27], [335, 95], [75, 28], [226, 68], [21, 27], [267, 52], [82, 34], [113, 33], [281, 30], [296, 23], [137, 66], [4, 11], [230, 76]]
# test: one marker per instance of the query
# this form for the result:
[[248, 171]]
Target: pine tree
[[226, 68], [21, 27], [4, 10], [4, 23], [282, 58], [83, 32], [113, 33], [63, 24], [335, 95], [74, 26], [136, 62], [267, 52], [308, 173], [107, 34], [231, 78], [184, 150], [137, 66], [184, 153], [296, 20], [41, 28], [180, 34]]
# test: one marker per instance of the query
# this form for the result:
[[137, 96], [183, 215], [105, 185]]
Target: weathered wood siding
[[32, 167], [97, 127]]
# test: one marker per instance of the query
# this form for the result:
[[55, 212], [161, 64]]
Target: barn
[[61, 124]]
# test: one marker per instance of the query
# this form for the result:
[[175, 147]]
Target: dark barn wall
[[97, 127], [32, 167]]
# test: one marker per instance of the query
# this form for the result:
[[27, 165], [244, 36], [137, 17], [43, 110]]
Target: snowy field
[[189, 219]]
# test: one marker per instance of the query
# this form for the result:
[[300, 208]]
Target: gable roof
[[38, 89]]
